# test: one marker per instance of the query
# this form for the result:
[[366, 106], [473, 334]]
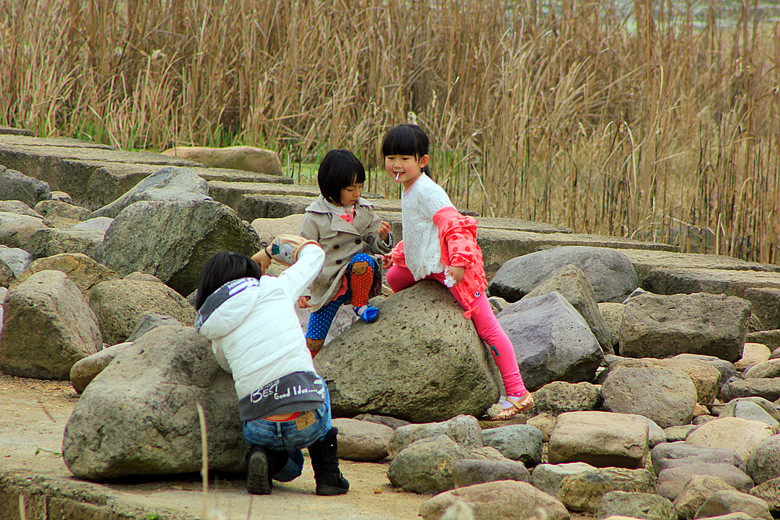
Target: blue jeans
[[285, 436]]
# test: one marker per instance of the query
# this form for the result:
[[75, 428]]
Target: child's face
[[405, 169], [351, 194]]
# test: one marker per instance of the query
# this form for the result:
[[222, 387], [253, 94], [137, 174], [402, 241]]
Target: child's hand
[[263, 259], [457, 273], [303, 302], [387, 261], [384, 230]]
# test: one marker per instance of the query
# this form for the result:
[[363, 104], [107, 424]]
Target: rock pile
[[648, 405]]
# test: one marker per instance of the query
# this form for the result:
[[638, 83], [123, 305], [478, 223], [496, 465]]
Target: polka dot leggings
[[360, 278]]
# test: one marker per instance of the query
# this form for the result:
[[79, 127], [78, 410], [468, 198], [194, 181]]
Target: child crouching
[[255, 334]]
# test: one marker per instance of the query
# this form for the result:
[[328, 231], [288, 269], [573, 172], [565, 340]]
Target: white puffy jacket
[[255, 333]]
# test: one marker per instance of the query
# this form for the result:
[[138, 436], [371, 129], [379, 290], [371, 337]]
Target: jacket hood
[[226, 308]]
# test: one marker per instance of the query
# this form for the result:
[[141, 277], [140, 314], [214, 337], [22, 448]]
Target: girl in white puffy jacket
[[255, 334]]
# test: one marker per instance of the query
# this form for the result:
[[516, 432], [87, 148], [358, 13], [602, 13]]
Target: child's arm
[[458, 236], [305, 258], [378, 235]]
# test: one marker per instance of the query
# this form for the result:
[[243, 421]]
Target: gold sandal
[[521, 404]]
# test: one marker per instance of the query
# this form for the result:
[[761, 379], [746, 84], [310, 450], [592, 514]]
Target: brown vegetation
[[646, 123]]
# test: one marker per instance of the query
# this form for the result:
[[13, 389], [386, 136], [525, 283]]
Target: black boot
[[325, 461], [262, 465]]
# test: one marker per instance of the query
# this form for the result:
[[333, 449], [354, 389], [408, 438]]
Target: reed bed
[[653, 120]]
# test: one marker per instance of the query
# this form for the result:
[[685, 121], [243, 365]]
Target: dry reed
[[649, 119]]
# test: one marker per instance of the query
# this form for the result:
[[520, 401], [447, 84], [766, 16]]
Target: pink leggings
[[488, 328]]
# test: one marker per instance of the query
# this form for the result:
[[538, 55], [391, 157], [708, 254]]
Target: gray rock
[[571, 283], [636, 505], [765, 387], [698, 489], [425, 466], [769, 492], [96, 225], [672, 481], [764, 462], [15, 185], [770, 338], [16, 230], [655, 434], [84, 371], [463, 429], [517, 442], [57, 208], [141, 411], [729, 409], [82, 270], [47, 327], [548, 477], [752, 354], [726, 501], [507, 500], [172, 240], [552, 342], [17, 207], [13, 262], [664, 326], [668, 395], [609, 271], [741, 435], [559, 397], [583, 491], [167, 184], [600, 439], [362, 440], [420, 371], [151, 321], [673, 454], [769, 368], [54, 241], [392, 422], [678, 433], [121, 304], [746, 409], [470, 471]]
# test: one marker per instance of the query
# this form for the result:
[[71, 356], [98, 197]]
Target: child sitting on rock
[[349, 231], [255, 334], [441, 244]]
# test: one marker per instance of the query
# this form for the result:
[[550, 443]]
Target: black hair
[[222, 268], [406, 139], [339, 169]]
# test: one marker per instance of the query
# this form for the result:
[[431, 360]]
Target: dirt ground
[[33, 414]]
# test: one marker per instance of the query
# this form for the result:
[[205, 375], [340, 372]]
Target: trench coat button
[[338, 261], [336, 246], [357, 240]]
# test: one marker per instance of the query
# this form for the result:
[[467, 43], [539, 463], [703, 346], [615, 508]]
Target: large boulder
[[168, 184], [13, 262], [54, 241], [121, 304], [47, 327], [741, 435], [139, 415], [663, 326], [412, 363], [552, 341], [172, 240], [609, 271], [16, 230]]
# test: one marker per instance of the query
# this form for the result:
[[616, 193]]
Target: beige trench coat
[[341, 241]]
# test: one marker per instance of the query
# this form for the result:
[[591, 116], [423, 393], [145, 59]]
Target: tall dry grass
[[650, 121]]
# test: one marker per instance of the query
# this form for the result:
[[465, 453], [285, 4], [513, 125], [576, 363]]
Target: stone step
[[94, 174]]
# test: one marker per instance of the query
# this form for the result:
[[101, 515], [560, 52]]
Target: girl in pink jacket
[[441, 244]]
